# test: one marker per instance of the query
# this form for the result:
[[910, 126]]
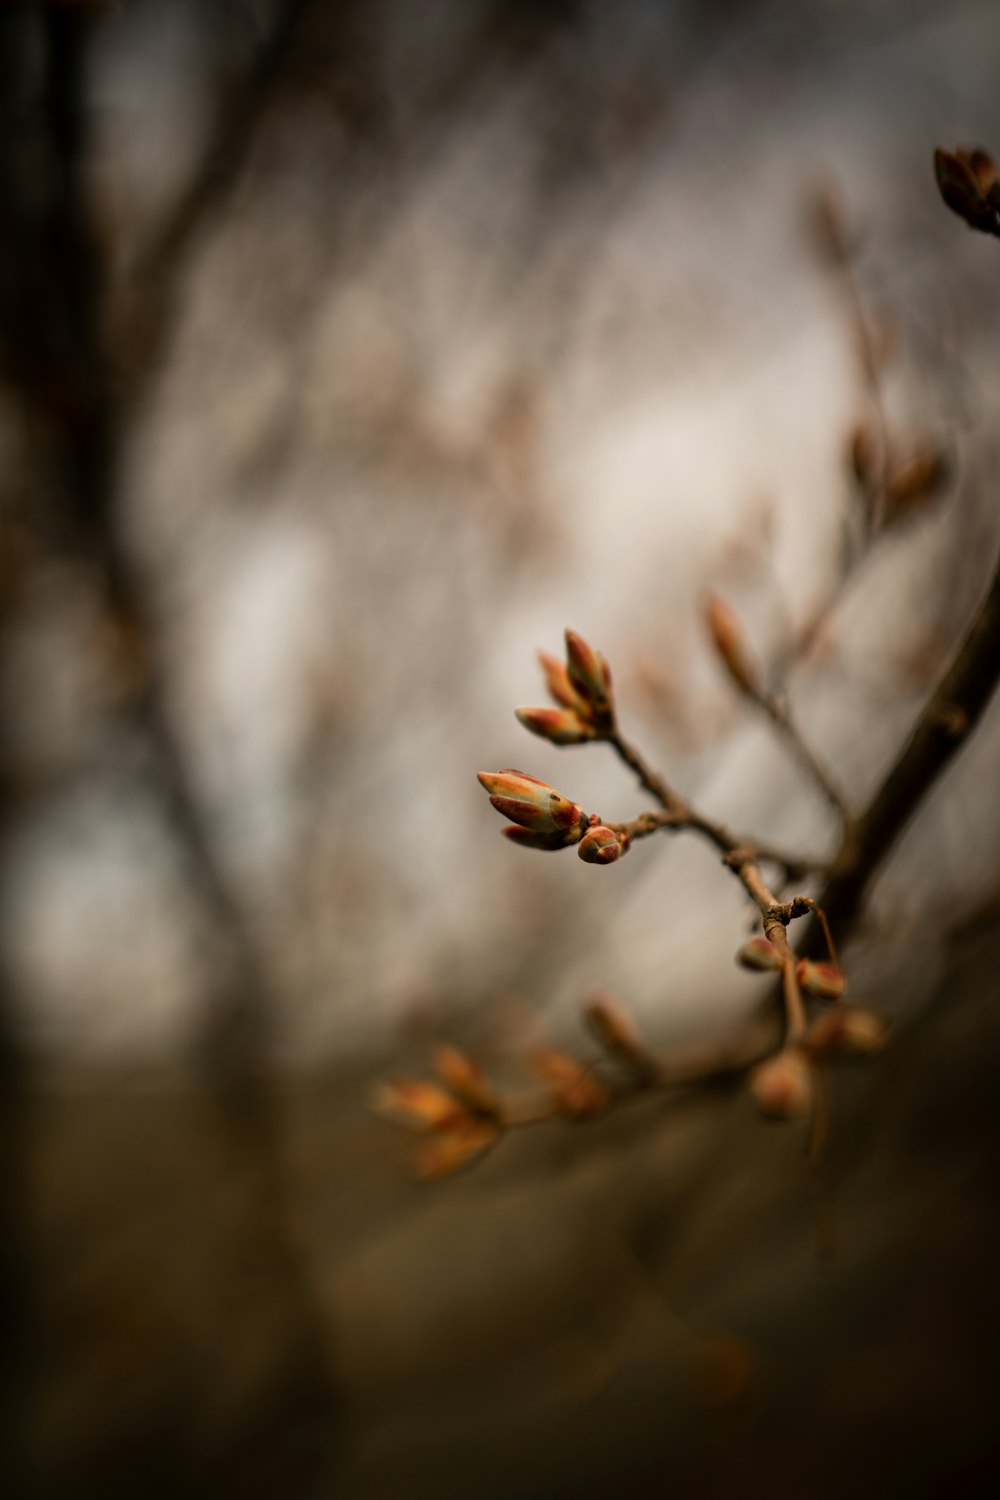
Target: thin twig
[[741, 857], [779, 713], [679, 816]]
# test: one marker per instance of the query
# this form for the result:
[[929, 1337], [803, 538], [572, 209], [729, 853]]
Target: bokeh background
[[349, 352]]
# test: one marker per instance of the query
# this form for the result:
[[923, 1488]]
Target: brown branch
[[653, 782], [742, 857], [680, 816], [944, 726]]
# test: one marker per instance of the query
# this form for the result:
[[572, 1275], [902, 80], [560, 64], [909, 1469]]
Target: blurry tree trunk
[[78, 400]]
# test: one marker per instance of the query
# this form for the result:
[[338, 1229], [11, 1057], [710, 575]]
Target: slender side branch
[[745, 673], [679, 816], [775, 916], [741, 857], [779, 713], [653, 782]]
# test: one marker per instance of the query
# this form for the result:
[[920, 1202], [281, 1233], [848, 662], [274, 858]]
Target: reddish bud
[[575, 1090], [529, 840], [967, 181], [458, 1146], [418, 1105], [557, 681], [600, 846], [613, 1029], [846, 1031], [782, 1086], [535, 806], [823, 981], [730, 644], [588, 673], [563, 726], [984, 169], [758, 953], [466, 1081]]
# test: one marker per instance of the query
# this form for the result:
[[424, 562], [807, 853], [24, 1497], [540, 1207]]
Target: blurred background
[[348, 353]]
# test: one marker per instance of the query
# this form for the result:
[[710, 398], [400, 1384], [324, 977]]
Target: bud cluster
[[581, 686], [463, 1118]]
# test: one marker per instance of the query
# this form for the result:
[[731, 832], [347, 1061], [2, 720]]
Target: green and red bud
[[467, 1081], [758, 953], [846, 1031], [588, 674], [535, 808], [457, 1146], [782, 1087], [557, 681], [528, 840], [824, 981], [418, 1105], [616, 1033], [563, 726], [731, 646], [575, 1090], [601, 846]]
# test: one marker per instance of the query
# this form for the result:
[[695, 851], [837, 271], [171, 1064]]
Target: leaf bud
[[758, 953], [417, 1105], [824, 981], [466, 1081], [588, 673], [782, 1087], [731, 646], [561, 690], [600, 846], [575, 1090], [562, 726], [846, 1031], [613, 1029], [456, 1147], [535, 807]]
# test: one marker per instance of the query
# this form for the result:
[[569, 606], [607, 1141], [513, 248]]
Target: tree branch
[[944, 726]]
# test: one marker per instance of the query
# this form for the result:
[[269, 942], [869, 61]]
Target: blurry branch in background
[[729, 642], [83, 390], [892, 480], [146, 314], [461, 1112], [80, 374]]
